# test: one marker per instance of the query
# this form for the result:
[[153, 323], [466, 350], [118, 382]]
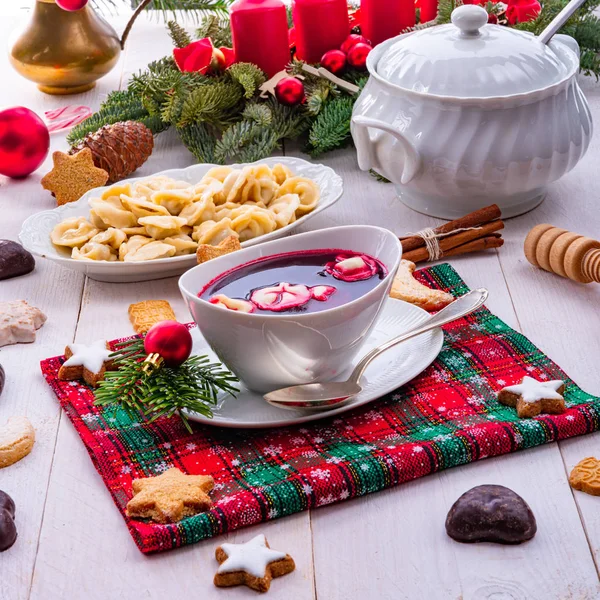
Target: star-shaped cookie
[[585, 476], [86, 362], [532, 397], [170, 497], [18, 322], [73, 175], [253, 564]]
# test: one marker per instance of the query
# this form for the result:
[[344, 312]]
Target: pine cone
[[119, 149]]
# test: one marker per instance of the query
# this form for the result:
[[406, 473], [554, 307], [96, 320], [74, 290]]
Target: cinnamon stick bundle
[[453, 241], [474, 219]]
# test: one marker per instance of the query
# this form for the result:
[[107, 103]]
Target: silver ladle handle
[[559, 20], [459, 308]]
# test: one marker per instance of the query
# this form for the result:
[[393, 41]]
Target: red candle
[[320, 25], [259, 30], [429, 9], [382, 19]]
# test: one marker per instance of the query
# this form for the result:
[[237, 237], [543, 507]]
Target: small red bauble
[[171, 340], [351, 40], [493, 19], [334, 61], [290, 91], [71, 5], [24, 141], [357, 56]]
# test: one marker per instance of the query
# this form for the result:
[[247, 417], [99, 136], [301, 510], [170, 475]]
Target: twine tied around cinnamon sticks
[[473, 232]]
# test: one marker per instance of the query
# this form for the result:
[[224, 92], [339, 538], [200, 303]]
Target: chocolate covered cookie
[[491, 513], [14, 260], [8, 529]]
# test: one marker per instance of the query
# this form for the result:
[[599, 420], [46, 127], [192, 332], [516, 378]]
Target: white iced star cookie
[[532, 397], [253, 564], [86, 362]]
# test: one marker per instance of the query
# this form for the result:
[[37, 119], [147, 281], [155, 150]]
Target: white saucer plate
[[35, 231], [386, 373]]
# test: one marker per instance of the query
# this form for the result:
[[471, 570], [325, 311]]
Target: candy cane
[[66, 117]]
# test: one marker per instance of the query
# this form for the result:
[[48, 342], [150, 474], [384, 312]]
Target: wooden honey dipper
[[563, 252]]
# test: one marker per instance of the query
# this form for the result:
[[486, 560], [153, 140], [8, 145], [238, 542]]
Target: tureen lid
[[471, 59]]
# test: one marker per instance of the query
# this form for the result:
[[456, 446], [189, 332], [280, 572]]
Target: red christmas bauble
[[170, 339], [71, 5], [24, 141], [334, 61], [290, 91], [352, 40], [357, 55], [493, 19]]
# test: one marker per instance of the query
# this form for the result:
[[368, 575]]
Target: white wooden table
[[392, 545]]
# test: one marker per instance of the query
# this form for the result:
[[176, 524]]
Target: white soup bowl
[[276, 350]]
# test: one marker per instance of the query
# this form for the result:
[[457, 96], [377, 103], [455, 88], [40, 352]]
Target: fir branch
[[259, 113], [288, 121], [249, 76], [213, 103], [193, 386], [200, 141], [246, 141], [217, 29], [179, 35], [317, 93], [331, 128]]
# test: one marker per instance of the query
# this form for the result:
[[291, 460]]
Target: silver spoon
[[325, 396]]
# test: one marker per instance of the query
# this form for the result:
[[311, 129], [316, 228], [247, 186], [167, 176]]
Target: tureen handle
[[364, 147]]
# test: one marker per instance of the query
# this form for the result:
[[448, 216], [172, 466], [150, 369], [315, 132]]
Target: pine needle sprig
[[200, 141], [194, 386], [331, 128], [217, 29], [181, 38]]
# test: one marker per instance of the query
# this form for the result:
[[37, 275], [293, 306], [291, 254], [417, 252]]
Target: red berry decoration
[[493, 19], [290, 91], [352, 40], [171, 340], [357, 56], [71, 5], [334, 61], [24, 141]]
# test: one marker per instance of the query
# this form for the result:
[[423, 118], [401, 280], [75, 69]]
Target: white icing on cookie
[[91, 357], [252, 557], [532, 390]]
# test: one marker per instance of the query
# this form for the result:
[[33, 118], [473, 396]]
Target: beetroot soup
[[298, 282]]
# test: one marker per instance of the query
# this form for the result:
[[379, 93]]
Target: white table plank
[[58, 294]]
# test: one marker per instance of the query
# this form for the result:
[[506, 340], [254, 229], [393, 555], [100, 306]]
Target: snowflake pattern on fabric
[[447, 416]]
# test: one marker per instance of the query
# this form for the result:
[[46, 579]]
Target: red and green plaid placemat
[[447, 416]]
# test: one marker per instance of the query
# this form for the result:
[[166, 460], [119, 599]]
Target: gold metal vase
[[65, 52]]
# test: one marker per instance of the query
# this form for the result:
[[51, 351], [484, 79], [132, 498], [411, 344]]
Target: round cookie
[[16, 440]]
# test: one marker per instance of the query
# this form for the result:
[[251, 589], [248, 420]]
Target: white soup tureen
[[468, 114]]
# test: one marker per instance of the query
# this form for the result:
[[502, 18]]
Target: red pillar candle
[[429, 9], [259, 30], [382, 19], [320, 25]]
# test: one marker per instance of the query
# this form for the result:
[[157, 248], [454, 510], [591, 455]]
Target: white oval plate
[[386, 373], [35, 231]]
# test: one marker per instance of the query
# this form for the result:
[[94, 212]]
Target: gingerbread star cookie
[[585, 476], [87, 362], [406, 287], [253, 564], [532, 397], [18, 322], [170, 497], [207, 252], [73, 175]]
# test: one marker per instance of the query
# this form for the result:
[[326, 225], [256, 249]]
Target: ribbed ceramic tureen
[[462, 115]]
